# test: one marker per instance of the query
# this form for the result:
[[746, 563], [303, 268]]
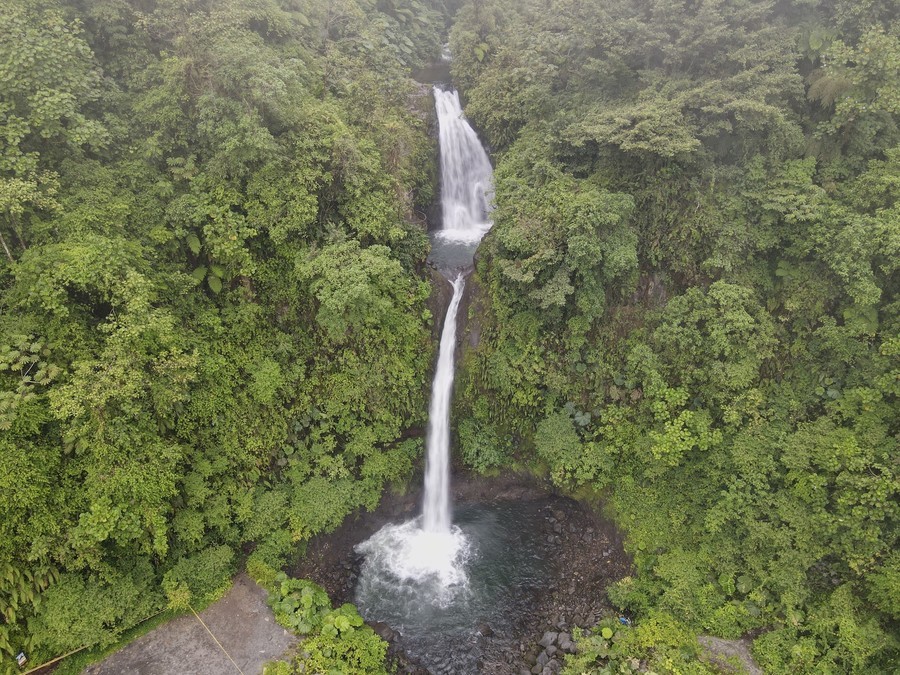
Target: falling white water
[[429, 566], [436, 505], [426, 558], [427, 555], [466, 178]]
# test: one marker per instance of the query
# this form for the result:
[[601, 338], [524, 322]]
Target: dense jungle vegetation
[[689, 305], [213, 330]]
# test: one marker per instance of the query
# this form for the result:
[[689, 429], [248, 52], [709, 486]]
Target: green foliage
[[480, 447], [658, 645], [358, 290], [77, 611], [557, 443], [299, 605], [341, 622], [836, 636], [688, 303], [354, 651], [200, 579], [49, 79], [336, 640], [277, 668], [262, 573], [212, 330], [885, 586]]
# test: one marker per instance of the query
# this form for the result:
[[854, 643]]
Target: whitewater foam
[[433, 564]]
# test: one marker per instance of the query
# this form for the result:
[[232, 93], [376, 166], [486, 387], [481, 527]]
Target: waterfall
[[466, 173], [436, 504], [465, 205], [425, 559]]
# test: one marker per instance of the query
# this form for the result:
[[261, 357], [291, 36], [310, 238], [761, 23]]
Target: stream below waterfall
[[502, 569], [546, 563]]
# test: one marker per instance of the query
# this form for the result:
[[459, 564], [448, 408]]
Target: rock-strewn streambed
[[581, 555]]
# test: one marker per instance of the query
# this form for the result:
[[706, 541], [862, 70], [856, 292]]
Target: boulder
[[384, 631], [484, 630], [568, 646], [548, 639]]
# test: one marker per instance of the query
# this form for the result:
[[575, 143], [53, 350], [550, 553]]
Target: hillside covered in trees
[[690, 304], [214, 337], [212, 320]]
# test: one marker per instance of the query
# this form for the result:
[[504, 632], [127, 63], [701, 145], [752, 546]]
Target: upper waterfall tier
[[466, 185]]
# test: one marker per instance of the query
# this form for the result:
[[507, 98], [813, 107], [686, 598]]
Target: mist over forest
[[218, 323]]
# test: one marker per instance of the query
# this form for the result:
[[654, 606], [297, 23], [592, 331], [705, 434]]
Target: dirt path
[[241, 621]]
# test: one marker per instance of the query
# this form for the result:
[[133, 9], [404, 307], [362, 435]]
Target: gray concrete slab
[[241, 621]]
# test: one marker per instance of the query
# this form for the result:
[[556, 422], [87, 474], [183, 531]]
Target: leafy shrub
[[338, 641], [557, 443], [299, 605], [278, 668], [79, 611], [838, 636], [273, 552], [731, 620], [261, 572], [200, 578], [480, 447], [628, 593], [354, 651], [885, 586], [657, 645], [341, 621]]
